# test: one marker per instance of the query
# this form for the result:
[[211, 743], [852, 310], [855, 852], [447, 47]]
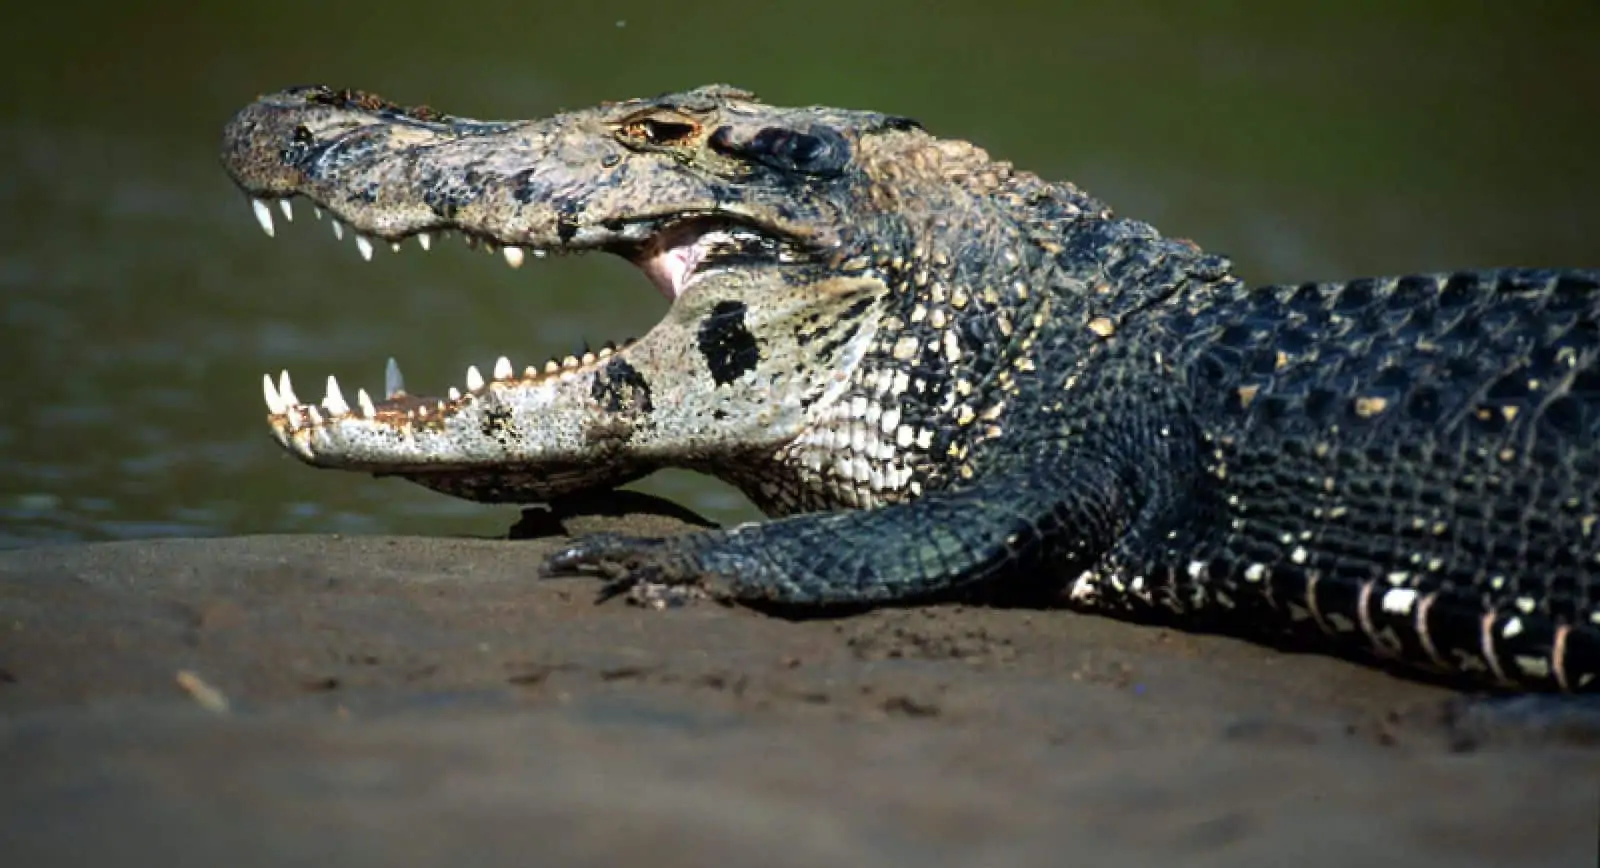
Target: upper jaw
[[562, 184]]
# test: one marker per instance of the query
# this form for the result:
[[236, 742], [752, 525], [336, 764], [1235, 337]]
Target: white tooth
[[334, 399], [425, 240], [364, 244], [588, 358], [530, 373], [538, 253], [502, 368], [393, 381], [338, 230], [315, 414], [552, 366], [293, 418], [286, 391], [395, 246], [365, 402], [316, 211], [569, 362], [474, 378], [287, 209], [454, 393], [513, 256], [274, 403], [263, 216]]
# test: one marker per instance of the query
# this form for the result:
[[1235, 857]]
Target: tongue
[[669, 268]]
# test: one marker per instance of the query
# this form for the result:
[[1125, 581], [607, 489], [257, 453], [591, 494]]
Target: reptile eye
[[818, 150], [656, 131]]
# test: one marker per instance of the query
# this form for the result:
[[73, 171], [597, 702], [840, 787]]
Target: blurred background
[[140, 304]]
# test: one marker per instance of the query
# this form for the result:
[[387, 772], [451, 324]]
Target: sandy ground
[[389, 701]]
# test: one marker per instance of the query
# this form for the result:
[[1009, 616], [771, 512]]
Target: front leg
[[947, 540]]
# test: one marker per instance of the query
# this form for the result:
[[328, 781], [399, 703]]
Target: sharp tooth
[[286, 391], [538, 253], [552, 366], [338, 230], [443, 407], [513, 256], [316, 211], [606, 351], [588, 358], [274, 403], [364, 401], [287, 209], [425, 240], [454, 393], [394, 382], [263, 216], [502, 368], [529, 373], [395, 246], [569, 362], [293, 418], [474, 378], [333, 400], [364, 244], [314, 413]]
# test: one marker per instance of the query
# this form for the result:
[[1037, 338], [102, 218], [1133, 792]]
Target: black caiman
[[937, 373]]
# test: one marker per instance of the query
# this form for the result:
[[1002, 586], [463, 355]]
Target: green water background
[[139, 303]]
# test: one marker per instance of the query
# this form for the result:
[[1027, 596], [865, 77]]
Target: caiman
[[938, 374]]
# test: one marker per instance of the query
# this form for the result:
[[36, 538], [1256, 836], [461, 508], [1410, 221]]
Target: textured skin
[[1015, 386]]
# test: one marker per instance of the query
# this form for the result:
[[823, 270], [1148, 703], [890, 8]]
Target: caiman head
[[779, 236]]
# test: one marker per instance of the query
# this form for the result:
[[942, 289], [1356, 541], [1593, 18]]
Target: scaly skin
[[937, 373]]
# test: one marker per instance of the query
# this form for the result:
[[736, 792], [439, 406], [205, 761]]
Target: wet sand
[[411, 701]]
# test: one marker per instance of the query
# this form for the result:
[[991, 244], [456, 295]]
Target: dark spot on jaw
[[567, 220], [729, 348], [301, 142], [521, 189], [496, 423], [620, 388]]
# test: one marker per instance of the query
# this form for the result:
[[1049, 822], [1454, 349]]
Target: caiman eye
[[660, 131], [819, 150]]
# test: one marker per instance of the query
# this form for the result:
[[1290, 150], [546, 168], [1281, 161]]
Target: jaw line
[[668, 250]]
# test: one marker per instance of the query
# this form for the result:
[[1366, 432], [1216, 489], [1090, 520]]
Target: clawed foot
[[645, 569]]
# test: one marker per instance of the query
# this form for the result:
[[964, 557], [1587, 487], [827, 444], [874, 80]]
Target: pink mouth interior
[[668, 266]]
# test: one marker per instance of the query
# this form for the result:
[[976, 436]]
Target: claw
[[608, 553]]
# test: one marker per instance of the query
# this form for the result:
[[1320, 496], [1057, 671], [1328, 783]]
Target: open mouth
[[673, 253]]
